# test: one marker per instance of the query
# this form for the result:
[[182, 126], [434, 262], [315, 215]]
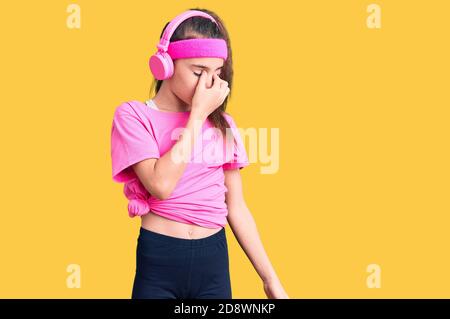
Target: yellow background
[[364, 134]]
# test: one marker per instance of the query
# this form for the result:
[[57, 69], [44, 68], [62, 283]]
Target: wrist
[[270, 279], [198, 115]]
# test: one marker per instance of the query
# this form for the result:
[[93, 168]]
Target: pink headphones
[[161, 63]]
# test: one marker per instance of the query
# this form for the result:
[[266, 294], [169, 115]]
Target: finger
[[224, 95], [202, 80], [223, 84], [226, 89], [217, 81]]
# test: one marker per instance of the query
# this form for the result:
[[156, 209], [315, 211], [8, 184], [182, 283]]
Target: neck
[[166, 100]]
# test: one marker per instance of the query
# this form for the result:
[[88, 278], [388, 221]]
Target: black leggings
[[178, 268]]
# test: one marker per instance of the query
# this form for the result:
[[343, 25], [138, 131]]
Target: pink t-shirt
[[139, 132]]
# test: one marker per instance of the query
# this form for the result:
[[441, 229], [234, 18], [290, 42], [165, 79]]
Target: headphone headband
[[170, 29], [161, 63]]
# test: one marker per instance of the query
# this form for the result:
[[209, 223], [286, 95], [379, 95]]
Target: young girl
[[179, 155]]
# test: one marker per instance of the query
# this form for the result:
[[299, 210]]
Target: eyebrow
[[204, 66]]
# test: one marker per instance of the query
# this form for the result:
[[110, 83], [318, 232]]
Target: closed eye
[[199, 74]]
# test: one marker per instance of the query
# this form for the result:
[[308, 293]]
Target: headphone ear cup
[[161, 65]]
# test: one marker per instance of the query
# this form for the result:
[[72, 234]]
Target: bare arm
[[160, 176], [244, 228]]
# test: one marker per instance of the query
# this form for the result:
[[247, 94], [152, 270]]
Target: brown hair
[[200, 27]]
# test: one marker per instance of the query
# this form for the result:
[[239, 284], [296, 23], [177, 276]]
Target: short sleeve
[[131, 142], [239, 158], [134, 189]]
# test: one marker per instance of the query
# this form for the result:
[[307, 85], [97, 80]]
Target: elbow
[[160, 191], [161, 195]]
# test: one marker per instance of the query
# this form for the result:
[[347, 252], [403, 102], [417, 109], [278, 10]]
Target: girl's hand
[[274, 290], [206, 100]]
